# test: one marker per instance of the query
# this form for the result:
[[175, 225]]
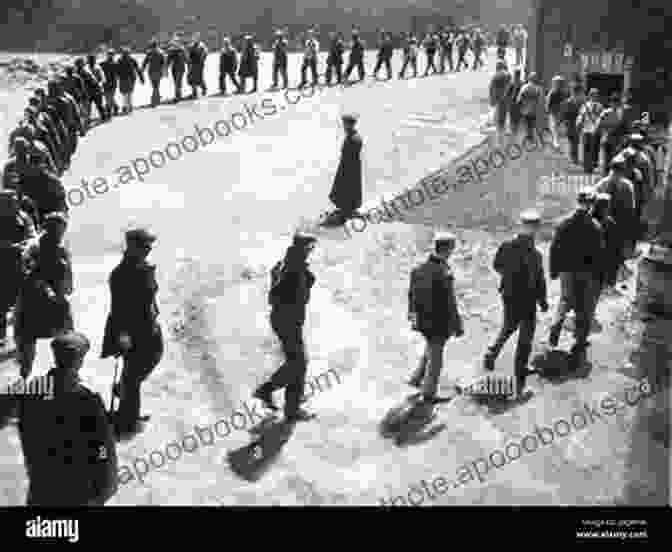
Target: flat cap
[[586, 194], [69, 343], [530, 217], [140, 236], [302, 238], [352, 117], [55, 217], [445, 238]]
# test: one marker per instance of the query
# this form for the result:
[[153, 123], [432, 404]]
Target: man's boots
[[520, 367]]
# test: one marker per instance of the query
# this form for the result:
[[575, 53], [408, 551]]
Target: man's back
[[578, 245], [68, 448]]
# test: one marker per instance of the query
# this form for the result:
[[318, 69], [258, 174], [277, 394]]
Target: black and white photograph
[[320, 255]]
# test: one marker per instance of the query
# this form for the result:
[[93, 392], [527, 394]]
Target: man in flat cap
[[291, 282], [346, 192], [433, 312], [577, 257], [198, 53], [623, 203], [177, 61], [522, 288], [132, 330], [67, 440]]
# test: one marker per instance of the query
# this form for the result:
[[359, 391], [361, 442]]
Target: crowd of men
[[586, 253], [69, 442]]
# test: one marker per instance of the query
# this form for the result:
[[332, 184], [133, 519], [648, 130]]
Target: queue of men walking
[[69, 442]]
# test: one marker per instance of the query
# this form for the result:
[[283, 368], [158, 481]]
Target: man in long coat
[[346, 193]]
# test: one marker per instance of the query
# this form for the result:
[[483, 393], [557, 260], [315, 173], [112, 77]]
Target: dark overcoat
[[346, 192]]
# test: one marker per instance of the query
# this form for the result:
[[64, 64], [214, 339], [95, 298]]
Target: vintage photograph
[[330, 254]]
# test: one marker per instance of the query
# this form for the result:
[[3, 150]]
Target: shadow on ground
[[253, 460]]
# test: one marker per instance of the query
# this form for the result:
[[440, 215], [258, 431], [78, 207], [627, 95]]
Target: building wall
[[601, 25]]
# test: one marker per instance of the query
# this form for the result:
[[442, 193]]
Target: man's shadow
[[556, 367], [407, 423], [253, 460]]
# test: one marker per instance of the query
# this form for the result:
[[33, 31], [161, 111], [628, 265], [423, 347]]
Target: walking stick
[[114, 384]]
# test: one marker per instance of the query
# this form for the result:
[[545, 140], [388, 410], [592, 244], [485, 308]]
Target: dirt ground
[[224, 215]]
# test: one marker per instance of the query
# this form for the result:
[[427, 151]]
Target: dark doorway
[[606, 84]]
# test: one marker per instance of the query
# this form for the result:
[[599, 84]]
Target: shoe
[[144, 418], [488, 364], [266, 398], [300, 415]]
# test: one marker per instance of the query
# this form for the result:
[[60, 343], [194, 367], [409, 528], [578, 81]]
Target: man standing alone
[[432, 311], [346, 193], [522, 287]]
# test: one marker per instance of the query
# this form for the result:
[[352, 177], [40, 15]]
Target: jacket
[[109, 67], [133, 308], [521, 268], [176, 59], [578, 245], [291, 283], [69, 448], [431, 299], [155, 63]]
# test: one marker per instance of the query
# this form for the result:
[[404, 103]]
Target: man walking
[[346, 192], [310, 49], [522, 288], [68, 444], [577, 257], [385, 52], [410, 53], [431, 44], [499, 97], [177, 60], [155, 64], [531, 99], [198, 53], [291, 283], [335, 59], [280, 59], [132, 330], [447, 40], [109, 67], [623, 204], [128, 71], [433, 312], [569, 113], [228, 64], [356, 58]]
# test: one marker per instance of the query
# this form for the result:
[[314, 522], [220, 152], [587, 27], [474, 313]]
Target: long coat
[[346, 193], [197, 55]]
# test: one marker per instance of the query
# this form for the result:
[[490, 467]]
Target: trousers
[[292, 373], [522, 318], [580, 292], [429, 369]]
